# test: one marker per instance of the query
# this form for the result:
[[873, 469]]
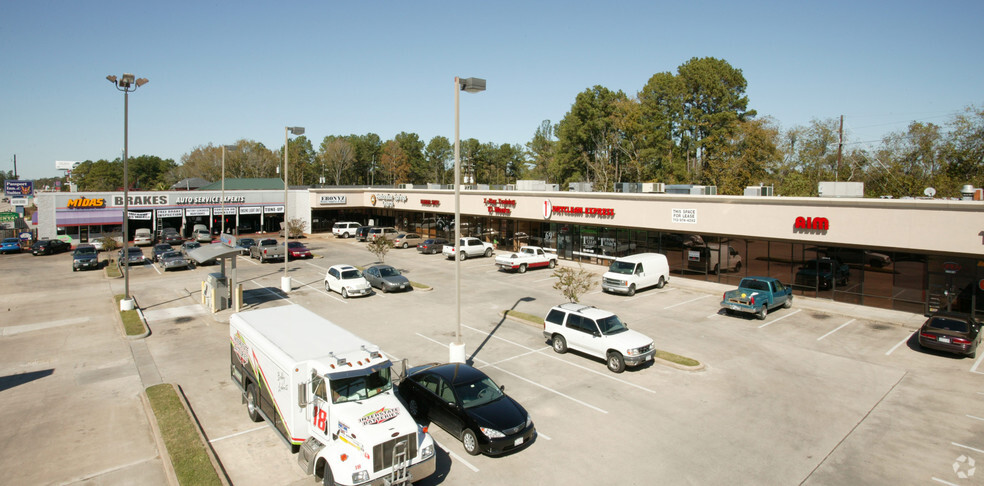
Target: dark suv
[[362, 234]]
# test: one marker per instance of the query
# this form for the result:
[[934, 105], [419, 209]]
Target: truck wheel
[[764, 311], [553, 263], [660, 283], [559, 344], [631, 290], [488, 252], [251, 404], [261, 258], [615, 362], [522, 268], [470, 442], [328, 479], [463, 256], [788, 303]]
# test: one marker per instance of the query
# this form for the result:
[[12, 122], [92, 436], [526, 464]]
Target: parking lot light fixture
[[126, 84], [288, 131], [470, 85]]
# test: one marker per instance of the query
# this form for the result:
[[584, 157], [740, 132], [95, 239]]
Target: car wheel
[[788, 303], [660, 283], [488, 252], [405, 246], [470, 442], [631, 290], [553, 263], [344, 293], [327, 288], [252, 406], [764, 311], [464, 256], [559, 344], [615, 362], [522, 268]]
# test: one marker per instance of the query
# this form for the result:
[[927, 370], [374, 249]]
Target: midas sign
[[84, 202]]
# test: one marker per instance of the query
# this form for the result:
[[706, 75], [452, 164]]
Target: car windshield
[[192, 246], [349, 274], [611, 325], [8, 241], [295, 244], [946, 324], [389, 272], [478, 393], [361, 387], [624, 268]]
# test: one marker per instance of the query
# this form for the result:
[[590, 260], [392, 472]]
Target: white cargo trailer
[[329, 395]]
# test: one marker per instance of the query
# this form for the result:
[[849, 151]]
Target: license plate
[[649, 358], [735, 307], [518, 441], [943, 339]]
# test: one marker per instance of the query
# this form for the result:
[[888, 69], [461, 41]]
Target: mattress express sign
[[586, 211]]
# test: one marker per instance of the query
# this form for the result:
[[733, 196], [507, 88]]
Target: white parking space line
[[267, 289], [522, 378], [319, 267], [797, 311], [968, 447], [11, 330], [248, 259], [321, 290], [835, 330], [541, 434], [159, 272], [973, 369], [686, 302], [975, 418], [514, 357], [545, 279], [897, 345], [237, 434], [455, 456], [605, 375], [938, 480]]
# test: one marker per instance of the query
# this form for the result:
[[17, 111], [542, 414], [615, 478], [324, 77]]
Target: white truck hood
[[373, 421]]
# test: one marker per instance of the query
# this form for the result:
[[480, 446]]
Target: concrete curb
[[214, 459]]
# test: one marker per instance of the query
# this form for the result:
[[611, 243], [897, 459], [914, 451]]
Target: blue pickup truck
[[757, 295]]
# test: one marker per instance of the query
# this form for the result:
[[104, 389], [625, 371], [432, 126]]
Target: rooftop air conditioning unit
[[653, 187]]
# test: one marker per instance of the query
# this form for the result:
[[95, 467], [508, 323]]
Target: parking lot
[[821, 393]]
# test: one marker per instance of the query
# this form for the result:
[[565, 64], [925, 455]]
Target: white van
[[628, 274]]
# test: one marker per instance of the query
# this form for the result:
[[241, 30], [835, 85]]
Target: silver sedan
[[386, 278]]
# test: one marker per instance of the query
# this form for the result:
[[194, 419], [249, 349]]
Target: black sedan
[[951, 332], [468, 405], [47, 247], [432, 245], [160, 249], [386, 278]]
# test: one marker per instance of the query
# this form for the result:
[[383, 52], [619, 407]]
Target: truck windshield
[[624, 268], [361, 387], [611, 325]]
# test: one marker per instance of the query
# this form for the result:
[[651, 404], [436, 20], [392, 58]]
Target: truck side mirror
[[302, 395]]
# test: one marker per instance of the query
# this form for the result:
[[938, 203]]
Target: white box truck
[[329, 395]]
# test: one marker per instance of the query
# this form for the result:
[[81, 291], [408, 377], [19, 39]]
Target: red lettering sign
[[430, 202], [817, 224]]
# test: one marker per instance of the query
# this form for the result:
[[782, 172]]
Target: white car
[[346, 280], [598, 333], [143, 237]]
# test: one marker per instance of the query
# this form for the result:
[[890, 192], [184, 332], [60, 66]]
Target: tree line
[[694, 126]]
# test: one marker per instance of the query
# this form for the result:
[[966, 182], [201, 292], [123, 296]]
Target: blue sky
[[224, 71]]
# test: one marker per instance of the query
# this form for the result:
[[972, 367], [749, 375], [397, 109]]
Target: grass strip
[[112, 269], [191, 463], [418, 285], [524, 316], [132, 323], [676, 358]]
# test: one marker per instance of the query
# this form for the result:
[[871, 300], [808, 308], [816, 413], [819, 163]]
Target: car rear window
[[948, 324]]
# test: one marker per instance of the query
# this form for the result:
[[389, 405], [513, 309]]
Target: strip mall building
[[911, 255]]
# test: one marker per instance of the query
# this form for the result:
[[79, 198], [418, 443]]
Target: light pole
[[285, 280], [126, 84], [222, 202], [471, 85]]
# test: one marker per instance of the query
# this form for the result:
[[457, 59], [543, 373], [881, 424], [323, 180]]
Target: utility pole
[[840, 148]]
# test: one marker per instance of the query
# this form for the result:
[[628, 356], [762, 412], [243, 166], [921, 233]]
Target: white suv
[[344, 229], [346, 280], [598, 333]]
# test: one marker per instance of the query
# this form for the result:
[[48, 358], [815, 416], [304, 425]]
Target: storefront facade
[[911, 255], [83, 216]]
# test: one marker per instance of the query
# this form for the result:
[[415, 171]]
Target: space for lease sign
[[688, 216]]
